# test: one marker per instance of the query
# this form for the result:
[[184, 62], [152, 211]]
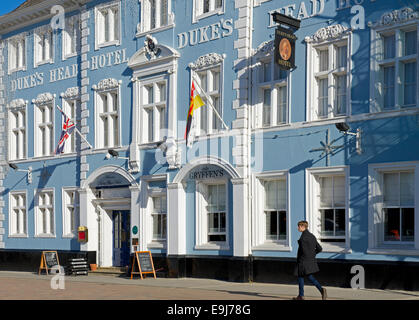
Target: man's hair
[[303, 223]]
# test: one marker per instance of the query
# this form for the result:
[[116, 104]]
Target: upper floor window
[[271, 91], [17, 53], [394, 68], [17, 129], [44, 125], [107, 109], [208, 77], [108, 25], [154, 110], [155, 14], [204, 8], [70, 107], [328, 73], [43, 46], [71, 36]]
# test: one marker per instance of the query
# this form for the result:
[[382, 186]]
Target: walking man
[[308, 247]]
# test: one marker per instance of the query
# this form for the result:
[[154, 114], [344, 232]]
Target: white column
[[135, 213], [134, 153], [88, 218], [241, 236], [176, 219]]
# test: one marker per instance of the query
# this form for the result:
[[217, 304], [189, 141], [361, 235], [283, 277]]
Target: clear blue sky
[[8, 5]]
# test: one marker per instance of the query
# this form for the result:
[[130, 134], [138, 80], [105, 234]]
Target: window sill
[[107, 44], [18, 236], [392, 251], [336, 248], [196, 18], [17, 70], [157, 245], [274, 246], [68, 56], [331, 120], [69, 236], [155, 30], [40, 63], [45, 236], [212, 246]]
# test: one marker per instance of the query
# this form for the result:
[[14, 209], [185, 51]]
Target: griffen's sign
[[285, 48]]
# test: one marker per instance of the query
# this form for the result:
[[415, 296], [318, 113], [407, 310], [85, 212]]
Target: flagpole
[[75, 128], [209, 102]]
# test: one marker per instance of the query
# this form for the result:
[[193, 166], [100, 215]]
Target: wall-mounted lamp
[[28, 171], [344, 128]]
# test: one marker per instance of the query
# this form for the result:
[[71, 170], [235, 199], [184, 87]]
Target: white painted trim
[[63, 210], [110, 5], [107, 169], [196, 9], [20, 235], [36, 213]]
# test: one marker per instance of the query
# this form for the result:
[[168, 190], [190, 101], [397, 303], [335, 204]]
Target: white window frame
[[107, 86], [12, 218], [376, 243], [49, 47], [68, 231], [145, 108], [39, 219], [209, 69], [377, 98], [331, 43], [71, 37], [259, 241], [19, 142], [264, 55], [17, 47], [68, 104], [313, 206], [198, 9], [100, 25], [201, 222], [144, 28], [156, 193], [37, 128]]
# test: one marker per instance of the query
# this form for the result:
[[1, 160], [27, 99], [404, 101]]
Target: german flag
[[195, 103]]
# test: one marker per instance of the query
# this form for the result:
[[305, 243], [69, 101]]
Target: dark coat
[[308, 247]]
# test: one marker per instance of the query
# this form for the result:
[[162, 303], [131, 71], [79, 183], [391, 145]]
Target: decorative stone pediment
[[396, 16], [17, 104], [71, 93], [43, 98], [265, 48], [144, 56], [207, 61], [328, 33], [107, 84]]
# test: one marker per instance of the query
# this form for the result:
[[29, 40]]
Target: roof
[[26, 4]]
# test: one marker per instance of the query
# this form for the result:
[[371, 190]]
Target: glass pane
[[410, 87], [323, 60], [153, 14], [162, 118], [407, 189], [326, 192], [391, 189], [282, 225], [162, 91], [206, 7], [150, 124], [163, 12], [341, 95], [271, 225], [389, 46], [203, 81], [408, 224], [104, 103], [218, 4], [279, 74], [339, 191], [267, 72], [323, 97], [410, 42], [392, 224], [215, 80], [389, 81], [266, 107], [282, 105], [105, 131], [270, 195], [327, 223], [216, 122], [149, 94], [204, 118], [340, 222], [341, 56]]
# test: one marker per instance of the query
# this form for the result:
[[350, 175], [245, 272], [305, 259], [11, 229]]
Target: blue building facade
[[264, 151]]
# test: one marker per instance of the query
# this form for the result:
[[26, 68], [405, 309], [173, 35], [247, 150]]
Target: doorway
[[121, 238]]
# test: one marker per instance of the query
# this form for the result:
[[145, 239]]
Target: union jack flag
[[68, 128]]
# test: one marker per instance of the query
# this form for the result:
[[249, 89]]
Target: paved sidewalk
[[29, 286]]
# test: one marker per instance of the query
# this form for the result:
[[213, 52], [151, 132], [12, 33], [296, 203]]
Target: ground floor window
[[44, 213], [159, 216], [216, 212], [18, 214]]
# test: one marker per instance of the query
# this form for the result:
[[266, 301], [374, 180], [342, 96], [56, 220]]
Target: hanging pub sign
[[285, 48], [285, 40]]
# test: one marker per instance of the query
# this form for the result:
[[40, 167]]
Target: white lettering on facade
[[317, 8], [218, 30]]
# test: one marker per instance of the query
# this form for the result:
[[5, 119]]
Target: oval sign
[[134, 229]]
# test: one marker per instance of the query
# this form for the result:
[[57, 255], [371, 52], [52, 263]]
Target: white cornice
[[35, 14]]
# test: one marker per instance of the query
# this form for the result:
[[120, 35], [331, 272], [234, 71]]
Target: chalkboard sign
[[49, 259], [144, 261]]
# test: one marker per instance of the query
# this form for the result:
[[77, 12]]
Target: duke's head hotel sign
[[285, 48]]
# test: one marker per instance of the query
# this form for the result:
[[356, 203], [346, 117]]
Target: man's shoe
[[324, 294], [298, 298]]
